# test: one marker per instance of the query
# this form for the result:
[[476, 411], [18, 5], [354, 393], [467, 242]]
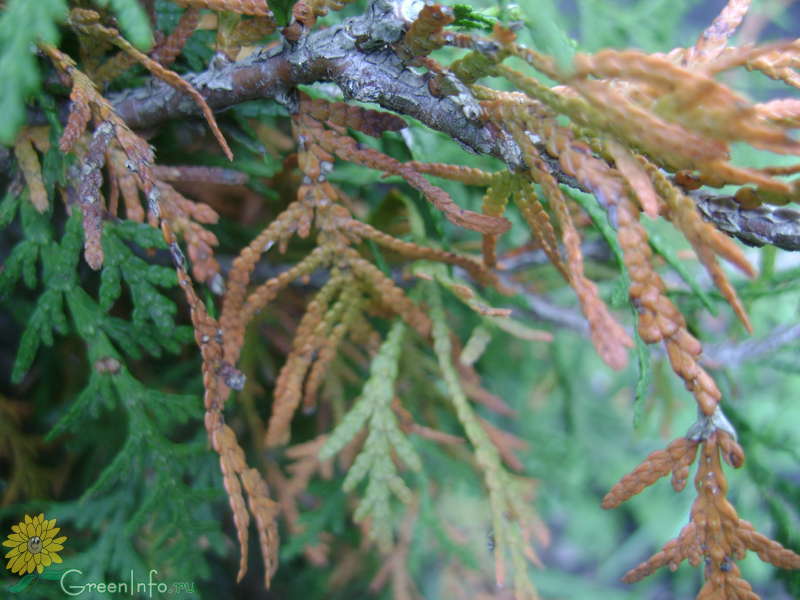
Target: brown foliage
[[256, 8], [715, 533], [85, 21], [168, 50], [675, 459], [425, 33], [31, 169]]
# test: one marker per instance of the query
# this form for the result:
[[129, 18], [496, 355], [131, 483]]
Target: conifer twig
[[394, 87]]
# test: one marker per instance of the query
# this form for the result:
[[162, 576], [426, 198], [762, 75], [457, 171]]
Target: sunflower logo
[[33, 544]]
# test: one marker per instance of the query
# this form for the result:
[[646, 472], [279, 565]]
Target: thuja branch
[[640, 132], [359, 56], [356, 55]]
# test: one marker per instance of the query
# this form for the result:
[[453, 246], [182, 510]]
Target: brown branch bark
[[356, 55], [775, 225]]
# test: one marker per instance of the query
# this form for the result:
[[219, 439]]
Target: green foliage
[[22, 24], [54, 162], [469, 18], [23, 584], [58, 275], [8, 208], [549, 35], [198, 50], [661, 248], [650, 24], [282, 10], [506, 503], [148, 503], [643, 362], [619, 296], [152, 326], [375, 459], [331, 518], [133, 21]]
